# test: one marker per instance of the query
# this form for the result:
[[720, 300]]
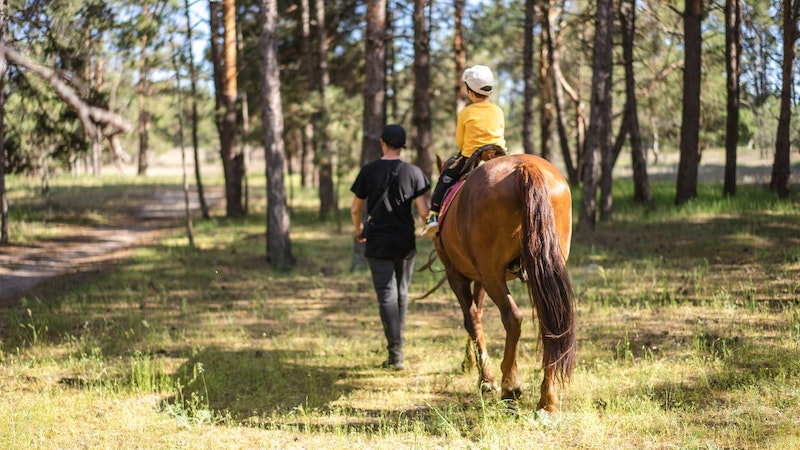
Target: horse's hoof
[[545, 408], [488, 387], [513, 394]]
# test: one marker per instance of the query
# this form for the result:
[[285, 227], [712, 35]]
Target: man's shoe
[[390, 365]]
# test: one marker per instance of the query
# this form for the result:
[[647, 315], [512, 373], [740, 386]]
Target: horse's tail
[[548, 282]]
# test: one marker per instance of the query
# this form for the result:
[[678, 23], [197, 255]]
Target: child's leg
[[446, 179]]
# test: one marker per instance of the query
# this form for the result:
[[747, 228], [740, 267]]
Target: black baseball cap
[[394, 135]]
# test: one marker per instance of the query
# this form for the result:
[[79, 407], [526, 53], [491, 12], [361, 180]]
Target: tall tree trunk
[[232, 163], [143, 90], [630, 121], [546, 111], [97, 146], [580, 111], [182, 142], [392, 87], [3, 197], [459, 55], [245, 147], [690, 122], [557, 83], [327, 194], [195, 142], [374, 81], [779, 181], [279, 254], [307, 178], [598, 141], [607, 154], [215, 23], [733, 58], [530, 82], [374, 99], [422, 96]]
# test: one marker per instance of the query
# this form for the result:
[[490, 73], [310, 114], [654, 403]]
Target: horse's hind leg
[[512, 321], [548, 400], [471, 302]]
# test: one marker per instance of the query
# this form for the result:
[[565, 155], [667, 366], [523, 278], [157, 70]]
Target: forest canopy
[[118, 55]]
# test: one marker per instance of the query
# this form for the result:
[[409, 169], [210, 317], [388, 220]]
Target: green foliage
[[40, 127]]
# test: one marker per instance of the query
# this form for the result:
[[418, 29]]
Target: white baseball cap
[[480, 79]]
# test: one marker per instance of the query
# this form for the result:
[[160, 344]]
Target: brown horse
[[513, 218]]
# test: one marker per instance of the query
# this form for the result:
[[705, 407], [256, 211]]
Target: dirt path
[[82, 250]]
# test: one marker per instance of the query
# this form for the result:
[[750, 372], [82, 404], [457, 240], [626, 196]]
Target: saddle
[[482, 154]]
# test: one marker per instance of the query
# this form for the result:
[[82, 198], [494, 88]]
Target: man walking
[[389, 187]]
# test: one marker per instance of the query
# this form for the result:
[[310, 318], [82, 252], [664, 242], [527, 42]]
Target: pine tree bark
[[608, 159], [97, 147], [733, 58], [374, 115], [3, 196], [459, 55], [392, 86], [182, 142], [630, 120], [686, 188], [529, 108], [143, 91], [245, 131], [422, 101], [327, 194], [555, 85], [307, 178], [232, 161], [194, 119], [546, 76], [215, 24], [279, 254], [598, 141], [779, 182], [374, 81]]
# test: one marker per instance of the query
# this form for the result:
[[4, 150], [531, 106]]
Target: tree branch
[[660, 77], [98, 123]]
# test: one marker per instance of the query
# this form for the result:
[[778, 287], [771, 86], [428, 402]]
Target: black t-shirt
[[391, 233]]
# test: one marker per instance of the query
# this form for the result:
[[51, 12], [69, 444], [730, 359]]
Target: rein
[[433, 256]]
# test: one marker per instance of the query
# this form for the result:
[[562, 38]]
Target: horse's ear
[[439, 163]]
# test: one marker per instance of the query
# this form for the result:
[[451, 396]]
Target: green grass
[[688, 326]]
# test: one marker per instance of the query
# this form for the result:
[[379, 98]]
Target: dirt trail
[[81, 250]]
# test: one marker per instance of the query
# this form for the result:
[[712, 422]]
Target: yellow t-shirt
[[480, 124]]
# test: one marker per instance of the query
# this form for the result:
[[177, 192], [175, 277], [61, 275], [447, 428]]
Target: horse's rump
[[484, 222]]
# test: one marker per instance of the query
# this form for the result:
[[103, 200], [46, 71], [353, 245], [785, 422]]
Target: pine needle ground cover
[[688, 326]]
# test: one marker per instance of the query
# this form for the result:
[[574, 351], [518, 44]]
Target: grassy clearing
[[689, 330]]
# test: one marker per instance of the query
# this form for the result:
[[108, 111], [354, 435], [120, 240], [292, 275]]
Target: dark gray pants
[[390, 278]]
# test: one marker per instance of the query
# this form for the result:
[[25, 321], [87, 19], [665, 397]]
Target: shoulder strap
[[383, 198]]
